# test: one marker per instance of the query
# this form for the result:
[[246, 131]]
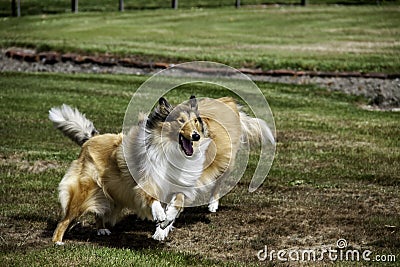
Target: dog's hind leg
[[60, 230], [75, 201], [71, 207], [63, 225], [213, 203], [108, 219], [101, 225]]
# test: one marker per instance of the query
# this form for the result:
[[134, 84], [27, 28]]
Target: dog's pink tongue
[[187, 146]]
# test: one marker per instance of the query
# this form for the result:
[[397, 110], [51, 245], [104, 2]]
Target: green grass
[[89, 255], [333, 158], [328, 38]]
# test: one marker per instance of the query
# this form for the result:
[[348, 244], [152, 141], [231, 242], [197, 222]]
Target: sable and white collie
[[170, 157]]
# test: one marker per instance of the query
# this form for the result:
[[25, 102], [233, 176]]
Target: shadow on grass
[[130, 233]]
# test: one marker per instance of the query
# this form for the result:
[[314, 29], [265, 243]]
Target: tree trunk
[[16, 8], [174, 4], [237, 3], [74, 6]]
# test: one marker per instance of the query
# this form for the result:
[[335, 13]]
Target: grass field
[[337, 168], [336, 175], [328, 38]]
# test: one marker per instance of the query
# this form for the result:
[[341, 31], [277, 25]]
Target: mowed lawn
[[328, 38], [336, 175]]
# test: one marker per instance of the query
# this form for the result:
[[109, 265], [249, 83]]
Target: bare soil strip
[[381, 90]]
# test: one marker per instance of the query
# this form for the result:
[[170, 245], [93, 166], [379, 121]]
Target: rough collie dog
[[176, 153]]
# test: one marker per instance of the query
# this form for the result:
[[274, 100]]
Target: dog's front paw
[[213, 206], [172, 212], [161, 234], [103, 232], [158, 212], [59, 243], [166, 223]]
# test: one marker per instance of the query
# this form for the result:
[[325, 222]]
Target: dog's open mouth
[[186, 145]]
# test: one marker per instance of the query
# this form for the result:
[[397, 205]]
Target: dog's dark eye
[[195, 120], [181, 120]]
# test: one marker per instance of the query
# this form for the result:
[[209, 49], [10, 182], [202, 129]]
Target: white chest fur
[[161, 163], [174, 172]]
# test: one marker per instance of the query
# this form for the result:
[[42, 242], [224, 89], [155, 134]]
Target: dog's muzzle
[[187, 144]]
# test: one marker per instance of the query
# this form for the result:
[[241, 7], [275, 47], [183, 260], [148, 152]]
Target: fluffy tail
[[72, 123], [255, 130]]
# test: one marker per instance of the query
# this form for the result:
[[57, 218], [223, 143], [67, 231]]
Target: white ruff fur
[[167, 167]]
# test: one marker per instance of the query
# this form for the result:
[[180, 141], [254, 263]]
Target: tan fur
[[224, 129], [99, 181]]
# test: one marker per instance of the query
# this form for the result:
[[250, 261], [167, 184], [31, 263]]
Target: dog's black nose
[[195, 137]]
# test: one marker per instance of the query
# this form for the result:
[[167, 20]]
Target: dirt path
[[381, 90]]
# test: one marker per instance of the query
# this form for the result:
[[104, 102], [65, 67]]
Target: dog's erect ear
[[159, 114], [164, 107], [163, 102], [193, 102]]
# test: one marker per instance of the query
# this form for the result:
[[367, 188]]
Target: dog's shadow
[[131, 232]]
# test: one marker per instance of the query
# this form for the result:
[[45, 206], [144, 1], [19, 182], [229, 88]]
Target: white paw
[[172, 213], [213, 206], [103, 232], [59, 243], [158, 212], [161, 234]]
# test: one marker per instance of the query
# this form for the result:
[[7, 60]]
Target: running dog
[[174, 156]]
